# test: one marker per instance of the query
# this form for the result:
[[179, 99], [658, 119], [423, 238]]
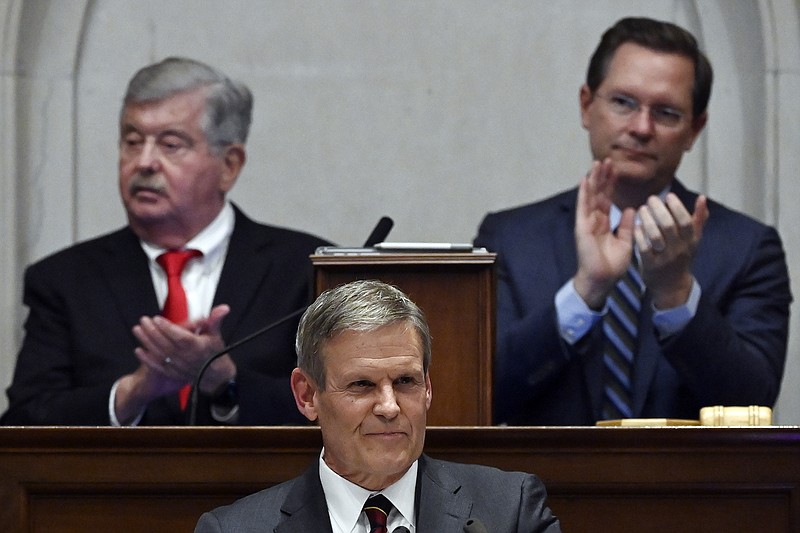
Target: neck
[[173, 231], [633, 195], [168, 234]]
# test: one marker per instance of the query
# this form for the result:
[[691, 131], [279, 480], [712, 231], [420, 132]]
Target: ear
[[697, 126], [585, 99], [428, 392], [305, 394], [233, 159]]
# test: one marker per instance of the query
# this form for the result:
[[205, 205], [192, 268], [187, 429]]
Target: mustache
[[150, 182]]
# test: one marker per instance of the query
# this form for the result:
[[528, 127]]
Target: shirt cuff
[[112, 413], [575, 318], [670, 321]]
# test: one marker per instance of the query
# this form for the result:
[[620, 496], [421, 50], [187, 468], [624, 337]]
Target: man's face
[[373, 410], [645, 149], [168, 177]]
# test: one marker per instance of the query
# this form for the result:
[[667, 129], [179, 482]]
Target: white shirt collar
[[212, 240], [201, 275], [346, 499]]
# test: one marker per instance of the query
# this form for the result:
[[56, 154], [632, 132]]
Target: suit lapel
[[247, 263], [644, 369], [304, 508], [124, 268], [563, 235], [649, 349], [567, 256], [440, 507]]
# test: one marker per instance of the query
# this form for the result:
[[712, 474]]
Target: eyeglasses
[[628, 106]]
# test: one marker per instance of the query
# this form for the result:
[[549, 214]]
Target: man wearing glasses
[[630, 296]]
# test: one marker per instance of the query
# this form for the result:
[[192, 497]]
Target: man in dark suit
[[363, 355], [96, 351], [711, 327]]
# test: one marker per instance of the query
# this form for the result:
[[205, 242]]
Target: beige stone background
[[432, 112]]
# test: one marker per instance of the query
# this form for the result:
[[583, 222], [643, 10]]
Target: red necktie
[[176, 309], [377, 509]]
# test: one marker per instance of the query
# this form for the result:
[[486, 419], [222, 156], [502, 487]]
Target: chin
[[397, 460], [634, 174], [146, 211]]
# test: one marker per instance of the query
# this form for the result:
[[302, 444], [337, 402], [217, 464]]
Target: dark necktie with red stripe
[[176, 309], [377, 509]]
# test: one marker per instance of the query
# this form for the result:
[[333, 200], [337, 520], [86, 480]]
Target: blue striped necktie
[[620, 326]]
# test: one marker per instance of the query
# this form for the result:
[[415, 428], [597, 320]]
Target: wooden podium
[[608, 480], [456, 293]]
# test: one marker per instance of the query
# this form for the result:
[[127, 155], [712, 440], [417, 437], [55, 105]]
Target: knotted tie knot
[[377, 509], [173, 263]]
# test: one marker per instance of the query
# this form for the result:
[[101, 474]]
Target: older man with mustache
[[120, 324]]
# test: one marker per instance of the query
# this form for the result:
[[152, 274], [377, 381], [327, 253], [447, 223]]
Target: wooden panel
[[677, 509], [58, 480], [456, 293], [125, 513], [619, 480], [614, 480]]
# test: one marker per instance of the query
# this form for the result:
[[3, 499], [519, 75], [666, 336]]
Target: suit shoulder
[[79, 251], [738, 236], [503, 230], [535, 213], [290, 235], [722, 216], [260, 508], [481, 477], [509, 501], [286, 237]]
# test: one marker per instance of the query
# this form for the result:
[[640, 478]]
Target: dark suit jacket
[[85, 299], [731, 353], [448, 494]]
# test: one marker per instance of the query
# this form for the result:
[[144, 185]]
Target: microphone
[[382, 229], [193, 398], [379, 233], [474, 525], [401, 529]]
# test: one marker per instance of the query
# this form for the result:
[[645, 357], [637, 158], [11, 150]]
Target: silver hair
[[229, 104], [364, 305]]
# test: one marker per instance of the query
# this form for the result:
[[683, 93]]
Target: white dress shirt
[[201, 275], [346, 500]]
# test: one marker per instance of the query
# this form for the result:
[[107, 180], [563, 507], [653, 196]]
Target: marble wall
[[430, 111]]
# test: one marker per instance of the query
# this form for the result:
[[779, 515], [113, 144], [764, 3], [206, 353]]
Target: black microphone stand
[[193, 398], [379, 233]]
